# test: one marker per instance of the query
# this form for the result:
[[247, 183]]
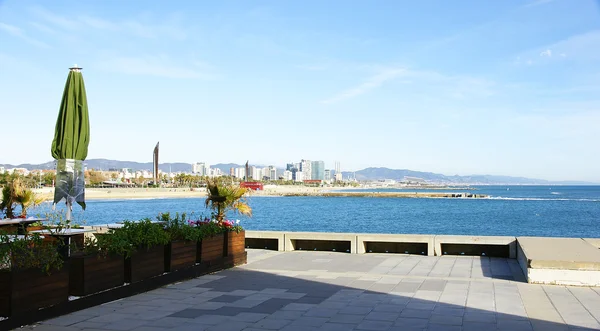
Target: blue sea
[[554, 211]]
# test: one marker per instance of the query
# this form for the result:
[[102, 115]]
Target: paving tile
[[416, 313], [271, 324], [374, 325], [478, 326], [356, 310], [67, 320], [128, 324], [229, 326], [382, 316], [443, 327], [433, 285], [445, 319], [408, 322], [310, 321], [346, 318], [321, 312], [249, 317], [298, 306]]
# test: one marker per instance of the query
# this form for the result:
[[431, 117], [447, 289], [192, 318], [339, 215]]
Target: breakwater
[[388, 194]]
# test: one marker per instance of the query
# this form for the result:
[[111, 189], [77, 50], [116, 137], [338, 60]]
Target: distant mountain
[[361, 175], [399, 174]]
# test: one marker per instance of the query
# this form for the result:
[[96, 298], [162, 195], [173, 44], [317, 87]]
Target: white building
[[256, 173], [239, 172], [300, 176], [287, 175], [306, 169], [338, 177], [201, 168]]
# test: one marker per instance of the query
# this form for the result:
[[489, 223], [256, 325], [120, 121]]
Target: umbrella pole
[[69, 208]]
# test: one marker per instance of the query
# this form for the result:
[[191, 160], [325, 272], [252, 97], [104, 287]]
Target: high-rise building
[[317, 170], [287, 175], [327, 175], [306, 169], [272, 173], [201, 168], [256, 173], [299, 176]]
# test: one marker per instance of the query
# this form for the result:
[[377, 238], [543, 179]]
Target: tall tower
[[247, 172], [155, 165]]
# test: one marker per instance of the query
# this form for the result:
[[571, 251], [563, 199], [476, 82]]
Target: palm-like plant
[[15, 193], [223, 197]]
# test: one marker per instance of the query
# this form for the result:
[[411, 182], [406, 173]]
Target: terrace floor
[[304, 290]]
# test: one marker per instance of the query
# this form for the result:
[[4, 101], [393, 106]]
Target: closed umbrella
[[71, 140]]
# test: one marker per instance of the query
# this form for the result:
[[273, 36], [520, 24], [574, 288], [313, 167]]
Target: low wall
[[360, 243]]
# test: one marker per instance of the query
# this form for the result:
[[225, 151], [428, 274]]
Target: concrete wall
[[358, 241]]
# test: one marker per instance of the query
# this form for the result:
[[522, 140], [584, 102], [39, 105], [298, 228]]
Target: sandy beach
[[162, 193], [269, 190]]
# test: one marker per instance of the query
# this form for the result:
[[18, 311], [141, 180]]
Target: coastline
[[269, 190]]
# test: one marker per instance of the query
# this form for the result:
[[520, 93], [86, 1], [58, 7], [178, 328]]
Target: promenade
[[305, 290]]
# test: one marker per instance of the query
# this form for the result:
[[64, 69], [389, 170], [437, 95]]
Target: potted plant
[[16, 194], [211, 247], [144, 252], [98, 265], [223, 197], [32, 275], [235, 237], [181, 252]]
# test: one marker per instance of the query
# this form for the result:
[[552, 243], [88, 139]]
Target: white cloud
[[17, 32], [168, 29], [158, 66], [371, 83], [547, 53]]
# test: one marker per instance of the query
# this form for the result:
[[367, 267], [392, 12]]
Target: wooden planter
[[236, 243], [91, 273], [180, 255], [211, 250], [145, 263], [26, 291]]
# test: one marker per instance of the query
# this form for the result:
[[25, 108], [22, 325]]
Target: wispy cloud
[[168, 29], [371, 83], [18, 32], [158, 66], [580, 47], [536, 3]]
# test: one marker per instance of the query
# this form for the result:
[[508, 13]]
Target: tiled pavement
[[337, 291]]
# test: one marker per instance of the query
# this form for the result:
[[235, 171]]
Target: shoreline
[[272, 191]]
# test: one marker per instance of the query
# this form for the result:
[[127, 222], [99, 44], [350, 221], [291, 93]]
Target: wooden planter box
[[145, 263], [211, 250], [91, 273], [236, 243], [26, 291], [180, 255]]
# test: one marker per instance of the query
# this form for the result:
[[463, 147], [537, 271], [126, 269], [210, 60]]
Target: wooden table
[[21, 223], [68, 236]]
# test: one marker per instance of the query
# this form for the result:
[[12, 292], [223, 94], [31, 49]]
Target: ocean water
[[557, 211]]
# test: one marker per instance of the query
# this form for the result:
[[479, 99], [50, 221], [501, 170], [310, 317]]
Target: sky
[[452, 87]]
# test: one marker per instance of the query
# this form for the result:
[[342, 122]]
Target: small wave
[[555, 193], [543, 199]]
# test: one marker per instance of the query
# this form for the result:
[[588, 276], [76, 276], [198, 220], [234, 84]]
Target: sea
[[550, 211]]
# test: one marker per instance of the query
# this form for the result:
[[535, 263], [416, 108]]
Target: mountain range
[[367, 174]]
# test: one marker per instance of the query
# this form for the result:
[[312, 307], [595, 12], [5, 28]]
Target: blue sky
[[455, 87]]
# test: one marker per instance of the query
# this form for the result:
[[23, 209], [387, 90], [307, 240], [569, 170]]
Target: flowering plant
[[232, 226]]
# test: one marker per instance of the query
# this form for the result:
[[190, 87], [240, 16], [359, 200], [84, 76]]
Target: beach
[[163, 193], [269, 190]]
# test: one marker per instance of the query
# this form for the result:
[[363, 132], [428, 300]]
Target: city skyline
[[505, 87]]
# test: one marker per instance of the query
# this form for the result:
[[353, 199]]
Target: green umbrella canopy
[[71, 140], [72, 132]]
